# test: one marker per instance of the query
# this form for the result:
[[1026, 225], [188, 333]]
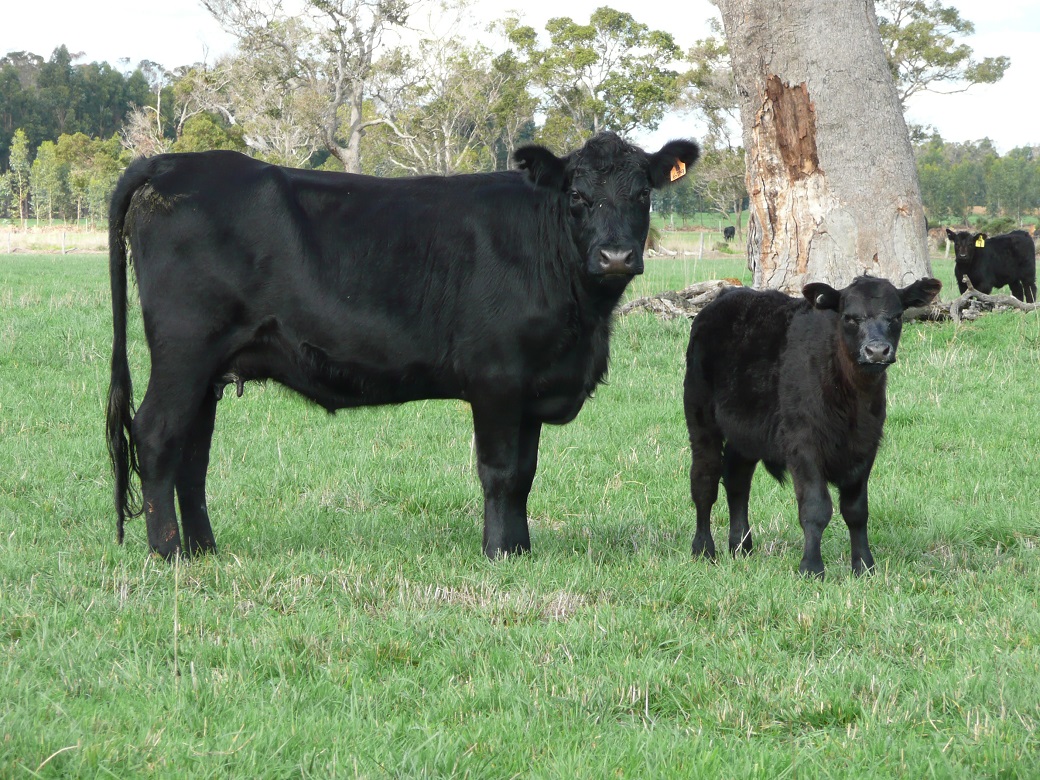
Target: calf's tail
[[121, 447]]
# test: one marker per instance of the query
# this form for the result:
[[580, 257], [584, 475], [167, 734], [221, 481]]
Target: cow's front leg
[[507, 457], [814, 513], [853, 504]]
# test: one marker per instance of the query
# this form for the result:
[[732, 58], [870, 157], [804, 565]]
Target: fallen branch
[[689, 301], [993, 302], [684, 303]]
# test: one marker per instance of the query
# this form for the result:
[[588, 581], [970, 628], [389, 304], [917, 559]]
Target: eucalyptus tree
[[924, 50], [830, 169], [19, 168], [613, 73], [329, 47], [48, 182], [450, 107]]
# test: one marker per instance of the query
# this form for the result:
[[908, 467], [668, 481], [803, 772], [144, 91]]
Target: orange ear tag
[[679, 170], [979, 242]]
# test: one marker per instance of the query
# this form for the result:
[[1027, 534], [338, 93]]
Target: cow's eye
[[852, 319], [644, 194], [577, 199]]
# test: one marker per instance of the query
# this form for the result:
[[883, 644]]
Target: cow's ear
[[822, 296], [951, 235], [671, 162], [920, 293], [543, 168]]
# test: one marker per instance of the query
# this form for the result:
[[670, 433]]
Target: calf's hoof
[[704, 546], [863, 566]]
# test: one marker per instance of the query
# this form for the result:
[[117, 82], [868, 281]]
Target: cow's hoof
[[811, 570]]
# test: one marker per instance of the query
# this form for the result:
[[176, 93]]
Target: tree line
[[332, 87]]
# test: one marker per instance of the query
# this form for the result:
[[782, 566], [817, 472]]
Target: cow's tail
[[121, 447]]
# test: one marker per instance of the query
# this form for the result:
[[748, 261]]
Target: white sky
[[179, 32]]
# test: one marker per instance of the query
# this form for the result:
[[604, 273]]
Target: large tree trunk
[[830, 170]]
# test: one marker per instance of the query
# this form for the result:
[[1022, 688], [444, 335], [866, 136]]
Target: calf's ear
[[543, 168], [822, 296], [920, 293], [951, 235], [670, 164]]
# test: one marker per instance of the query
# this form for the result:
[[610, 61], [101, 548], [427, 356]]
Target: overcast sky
[[179, 32]]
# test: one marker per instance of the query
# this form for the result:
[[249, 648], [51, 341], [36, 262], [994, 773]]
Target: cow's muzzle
[[617, 262], [877, 355]]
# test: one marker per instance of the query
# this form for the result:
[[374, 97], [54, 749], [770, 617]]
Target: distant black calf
[[800, 385], [728, 232], [1008, 259]]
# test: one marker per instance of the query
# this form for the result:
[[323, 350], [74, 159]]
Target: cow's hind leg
[[507, 457], [737, 472], [161, 427], [852, 500], [191, 479], [1017, 290]]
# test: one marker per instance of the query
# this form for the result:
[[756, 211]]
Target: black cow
[[494, 288], [728, 232], [1008, 259], [799, 385]]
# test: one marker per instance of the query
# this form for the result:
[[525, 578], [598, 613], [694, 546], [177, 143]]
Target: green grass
[[350, 626]]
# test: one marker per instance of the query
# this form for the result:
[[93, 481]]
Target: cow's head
[[870, 315], [606, 186], [964, 244]]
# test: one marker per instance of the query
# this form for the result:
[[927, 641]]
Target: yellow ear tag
[[980, 242], [679, 170]]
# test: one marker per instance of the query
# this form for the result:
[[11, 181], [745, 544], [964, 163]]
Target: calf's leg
[[705, 472], [1030, 291], [1016, 289], [737, 472], [852, 500], [814, 513], [507, 457]]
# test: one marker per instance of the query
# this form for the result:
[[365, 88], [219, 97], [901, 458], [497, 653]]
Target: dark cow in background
[[728, 232], [495, 288], [1005, 260], [799, 385]]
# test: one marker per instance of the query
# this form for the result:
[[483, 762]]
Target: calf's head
[[964, 244], [606, 190], [870, 315]]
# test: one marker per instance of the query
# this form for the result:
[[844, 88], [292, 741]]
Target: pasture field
[[350, 627]]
